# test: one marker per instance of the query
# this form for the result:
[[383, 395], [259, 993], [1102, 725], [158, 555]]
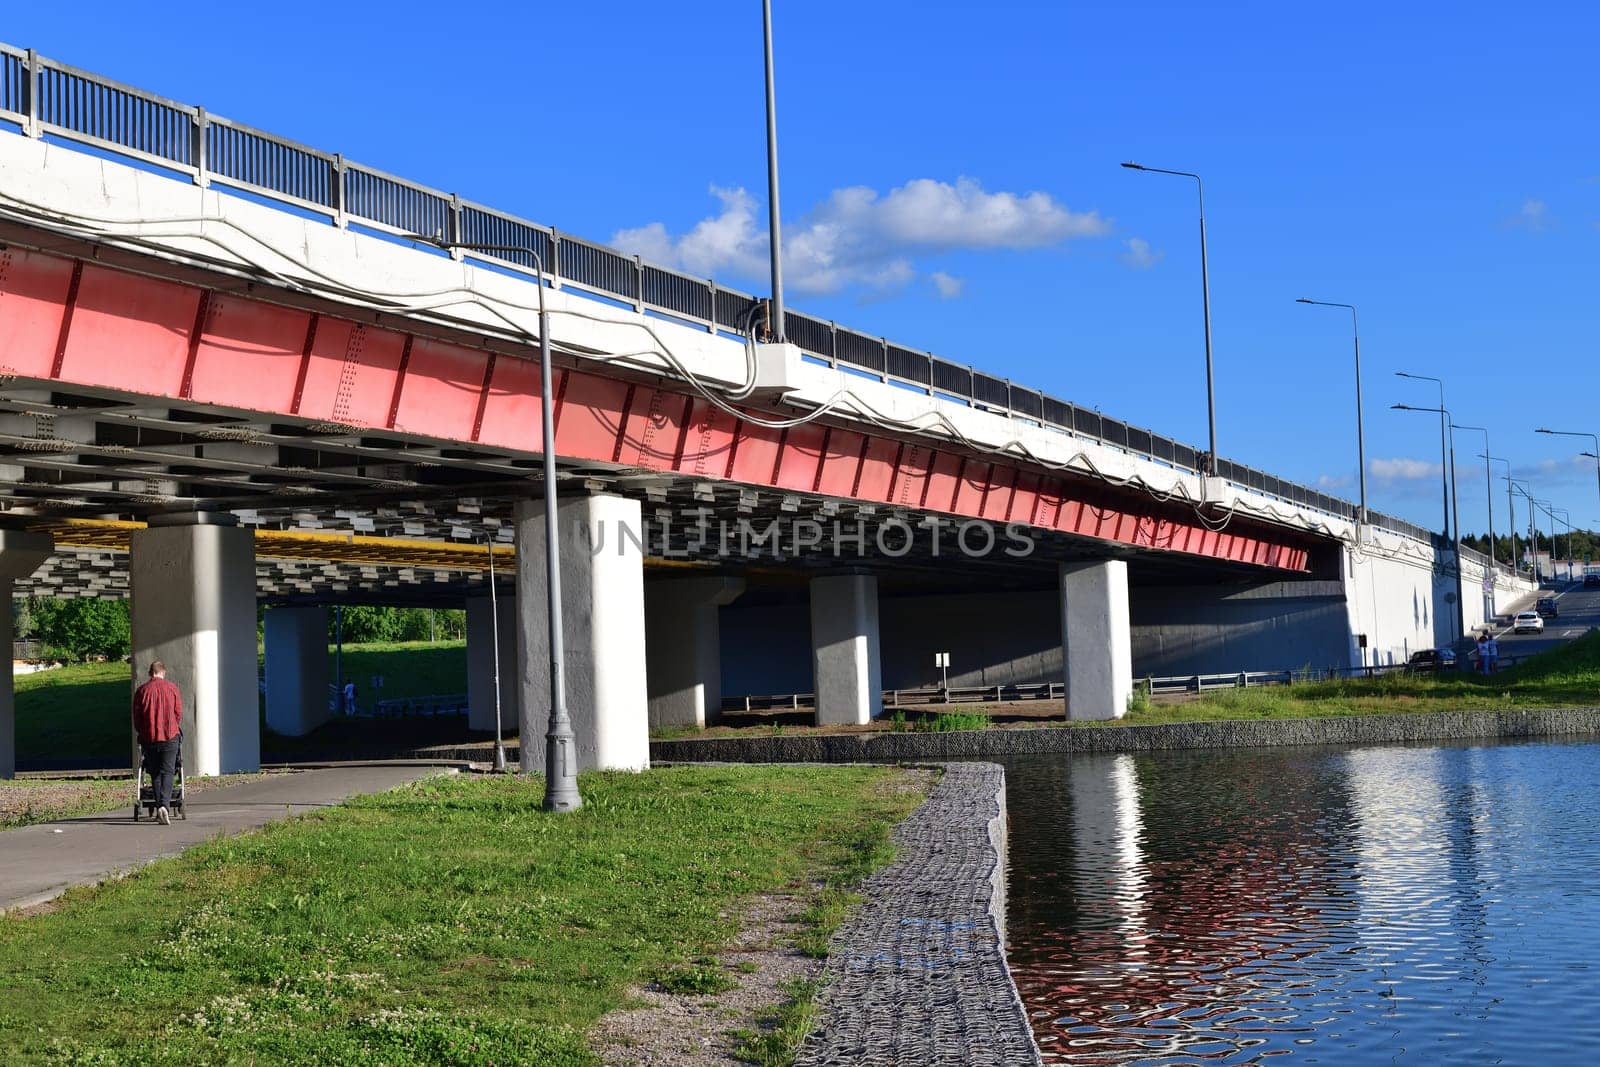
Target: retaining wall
[[1350, 730]]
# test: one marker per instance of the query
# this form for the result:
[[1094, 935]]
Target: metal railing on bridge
[[47, 98]]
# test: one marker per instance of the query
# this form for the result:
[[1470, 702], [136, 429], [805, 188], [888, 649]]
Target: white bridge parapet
[[63, 191]]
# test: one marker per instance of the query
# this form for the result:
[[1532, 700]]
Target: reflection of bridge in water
[[1351, 904]]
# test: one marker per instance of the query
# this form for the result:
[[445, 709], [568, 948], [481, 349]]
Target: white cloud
[[949, 286], [858, 238], [1533, 216], [1329, 483], [1404, 470], [1139, 254]]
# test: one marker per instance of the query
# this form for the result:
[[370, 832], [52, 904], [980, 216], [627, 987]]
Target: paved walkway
[[40, 862]]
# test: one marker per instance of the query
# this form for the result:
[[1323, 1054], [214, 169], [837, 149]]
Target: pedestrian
[[158, 723], [1483, 653], [349, 698], [1493, 647]]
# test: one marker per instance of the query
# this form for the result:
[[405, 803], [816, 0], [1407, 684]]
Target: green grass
[[82, 711], [783, 1027], [1568, 676], [449, 922]]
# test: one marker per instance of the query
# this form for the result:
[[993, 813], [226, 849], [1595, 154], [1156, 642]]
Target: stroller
[[144, 787]]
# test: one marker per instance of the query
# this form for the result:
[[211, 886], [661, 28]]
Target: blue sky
[[950, 180]]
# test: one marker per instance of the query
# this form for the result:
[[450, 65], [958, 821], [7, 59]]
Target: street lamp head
[[1303, 300], [1543, 430], [1401, 407], [1134, 166]]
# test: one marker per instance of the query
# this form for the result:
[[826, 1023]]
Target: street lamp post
[[1452, 507], [1511, 512], [1444, 465], [775, 233], [1205, 303], [1361, 437], [1488, 483], [1566, 520], [1593, 437], [561, 776], [1533, 530]]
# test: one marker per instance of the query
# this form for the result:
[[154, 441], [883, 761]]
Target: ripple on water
[[1340, 906]]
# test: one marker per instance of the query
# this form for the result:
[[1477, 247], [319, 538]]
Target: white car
[[1528, 622]]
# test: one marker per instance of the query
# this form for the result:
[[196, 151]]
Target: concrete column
[[846, 669], [21, 552], [296, 645], [480, 665], [602, 598], [192, 590], [683, 655], [1095, 639]]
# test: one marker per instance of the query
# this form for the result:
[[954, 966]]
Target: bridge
[[237, 369]]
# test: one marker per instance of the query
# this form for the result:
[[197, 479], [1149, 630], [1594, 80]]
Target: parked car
[[1428, 660], [1591, 579], [1528, 622], [1546, 607]]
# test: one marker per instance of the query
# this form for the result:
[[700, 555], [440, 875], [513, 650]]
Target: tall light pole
[[1452, 507], [1511, 511], [774, 229], [1566, 520], [1444, 463], [1361, 435], [560, 755], [1533, 532], [1488, 483], [1593, 437], [1205, 304]]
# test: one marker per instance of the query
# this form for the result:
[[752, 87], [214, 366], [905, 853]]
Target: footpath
[[38, 863]]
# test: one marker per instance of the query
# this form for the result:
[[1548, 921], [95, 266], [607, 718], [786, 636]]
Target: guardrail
[[1166, 685], [46, 98]]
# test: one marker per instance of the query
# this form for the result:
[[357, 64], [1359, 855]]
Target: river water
[[1393, 905]]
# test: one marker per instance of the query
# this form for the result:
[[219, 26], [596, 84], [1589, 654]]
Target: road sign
[[1488, 584]]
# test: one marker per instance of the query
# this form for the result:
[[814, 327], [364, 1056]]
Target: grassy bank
[[449, 922], [1568, 676], [81, 711]]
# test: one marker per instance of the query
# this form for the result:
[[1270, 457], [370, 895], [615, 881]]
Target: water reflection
[[1397, 904]]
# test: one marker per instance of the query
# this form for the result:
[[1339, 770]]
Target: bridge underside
[[303, 453]]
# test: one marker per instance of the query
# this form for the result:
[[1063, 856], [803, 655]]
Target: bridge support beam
[[480, 665], [1096, 641], [602, 599], [192, 605], [683, 648], [21, 552], [846, 668], [296, 644]]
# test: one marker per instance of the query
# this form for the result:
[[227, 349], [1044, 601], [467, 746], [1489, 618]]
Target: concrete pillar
[[480, 665], [683, 655], [1096, 643], [192, 605], [296, 645], [602, 598], [21, 552], [846, 670]]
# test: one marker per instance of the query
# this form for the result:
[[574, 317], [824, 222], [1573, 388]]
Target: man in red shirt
[[158, 721]]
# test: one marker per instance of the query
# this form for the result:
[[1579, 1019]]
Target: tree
[[80, 627]]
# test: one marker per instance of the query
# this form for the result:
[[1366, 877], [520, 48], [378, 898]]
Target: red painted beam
[[80, 323]]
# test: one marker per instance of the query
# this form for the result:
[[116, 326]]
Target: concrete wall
[[1388, 591], [1015, 638]]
